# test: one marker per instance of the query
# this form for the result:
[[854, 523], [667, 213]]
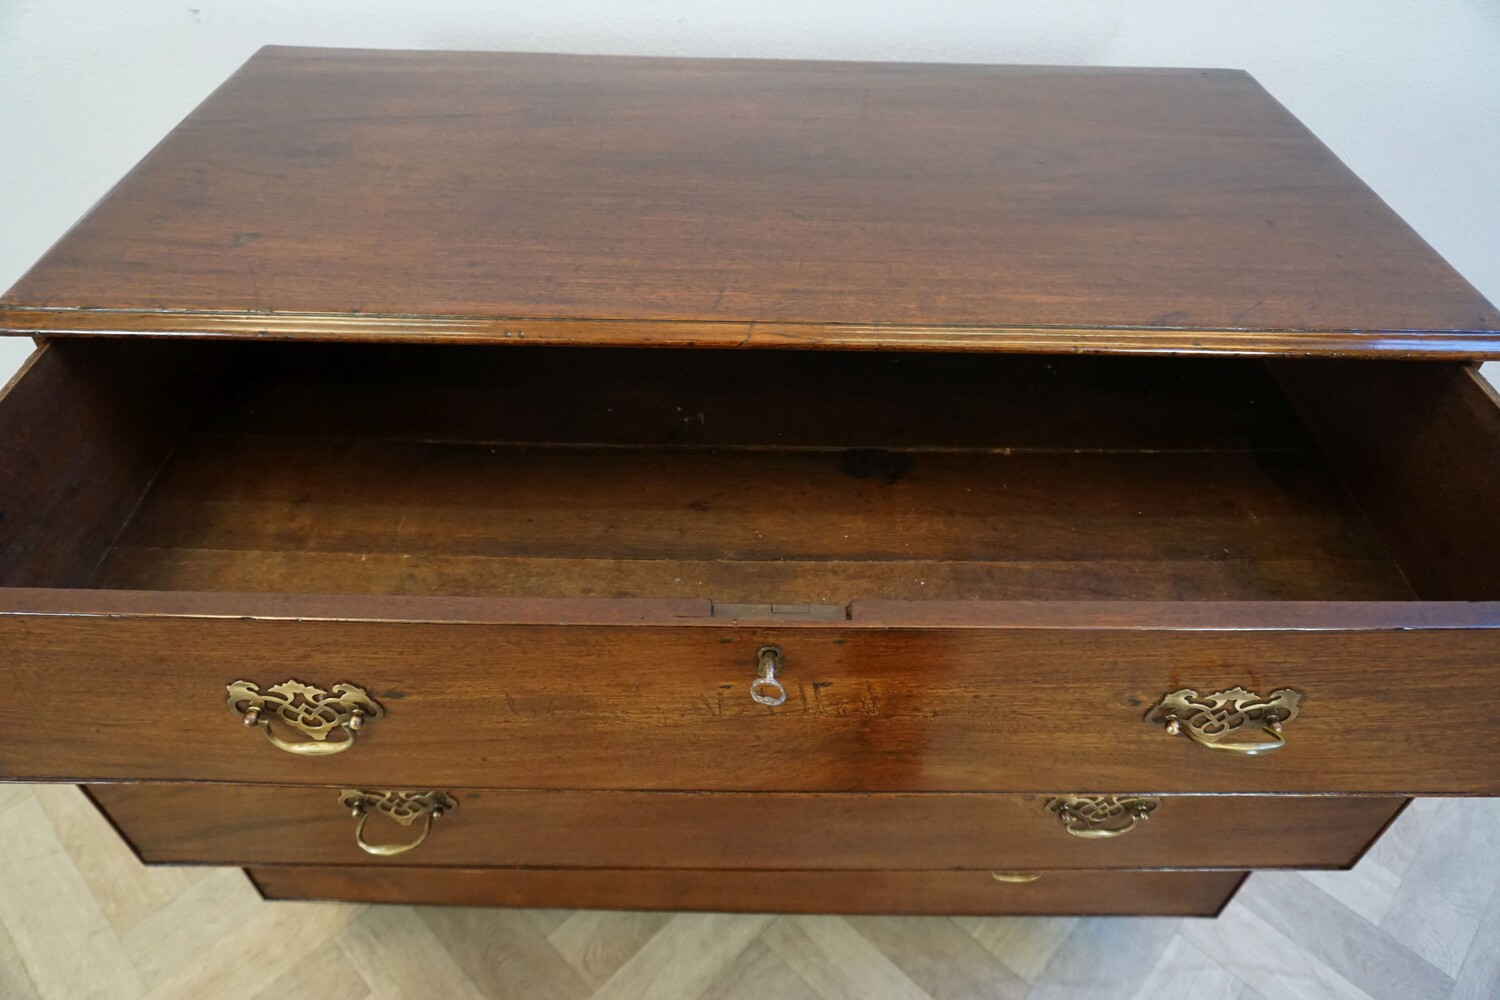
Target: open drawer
[[554, 568]]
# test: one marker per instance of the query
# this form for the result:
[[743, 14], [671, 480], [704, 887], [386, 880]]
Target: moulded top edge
[[327, 194], [310, 327]]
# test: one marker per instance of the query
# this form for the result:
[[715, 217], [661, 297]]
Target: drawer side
[[83, 429], [1419, 446]]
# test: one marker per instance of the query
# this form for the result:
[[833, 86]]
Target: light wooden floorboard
[[332, 977], [1025, 945], [398, 956], [61, 935], [1105, 955], [597, 942], [1185, 973], [126, 892], [1442, 899], [15, 984], [80, 917], [504, 953]]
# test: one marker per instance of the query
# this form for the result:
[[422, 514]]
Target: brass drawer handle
[[1015, 877], [403, 807], [1099, 817], [313, 712], [1210, 720], [766, 689]]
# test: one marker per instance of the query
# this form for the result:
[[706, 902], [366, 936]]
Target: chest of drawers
[[573, 481]]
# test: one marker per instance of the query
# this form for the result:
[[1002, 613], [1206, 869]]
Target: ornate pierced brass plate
[[403, 807], [312, 711], [1214, 720], [1097, 817]]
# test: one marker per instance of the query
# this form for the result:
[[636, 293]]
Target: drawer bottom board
[[935, 893]]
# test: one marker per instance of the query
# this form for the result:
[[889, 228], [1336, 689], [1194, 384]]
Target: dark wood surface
[[559, 606], [888, 695], [882, 706], [861, 616], [277, 825], [801, 479], [1199, 894], [1420, 447], [326, 194], [695, 398], [83, 429], [268, 513]]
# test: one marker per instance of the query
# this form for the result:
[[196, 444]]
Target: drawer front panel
[[1010, 709], [1198, 894], [258, 824]]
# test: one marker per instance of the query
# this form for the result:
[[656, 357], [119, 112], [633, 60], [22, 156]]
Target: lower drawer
[[1197, 894], [281, 825]]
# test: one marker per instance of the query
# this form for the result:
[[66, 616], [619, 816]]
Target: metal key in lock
[[767, 688]]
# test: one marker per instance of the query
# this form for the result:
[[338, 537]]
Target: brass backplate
[[403, 807]]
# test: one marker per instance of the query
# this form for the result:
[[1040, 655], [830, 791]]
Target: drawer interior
[[774, 477]]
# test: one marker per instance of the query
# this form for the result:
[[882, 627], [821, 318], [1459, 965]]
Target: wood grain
[[1359, 951], [326, 194], [746, 526], [1026, 947], [51, 917], [127, 892], [504, 952], [245, 824], [434, 471], [688, 955], [1119, 954], [1420, 447], [812, 946], [824, 582], [1183, 893], [294, 953], [1442, 901], [883, 706], [1182, 973], [700, 398], [598, 942], [83, 428], [402, 958], [940, 957], [757, 972]]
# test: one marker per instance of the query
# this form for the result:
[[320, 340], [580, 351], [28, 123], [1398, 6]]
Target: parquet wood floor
[[81, 918]]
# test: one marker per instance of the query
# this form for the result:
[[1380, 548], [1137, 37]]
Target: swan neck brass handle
[[315, 713], [390, 850], [1100, 817], [1214, 721], [767, 689], [1249, 748], [403, 807], [1015, 877]]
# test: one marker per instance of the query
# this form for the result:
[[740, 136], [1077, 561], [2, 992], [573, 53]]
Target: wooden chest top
[[333, 194]]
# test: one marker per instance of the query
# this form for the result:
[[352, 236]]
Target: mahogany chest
[[603, 482]]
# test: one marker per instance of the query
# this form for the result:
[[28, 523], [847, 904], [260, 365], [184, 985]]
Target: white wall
[[1407, 92]]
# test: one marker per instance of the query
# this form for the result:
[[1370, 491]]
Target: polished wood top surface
[[340, 194]]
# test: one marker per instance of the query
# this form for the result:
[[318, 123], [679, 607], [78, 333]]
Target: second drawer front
[[275, 825]]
